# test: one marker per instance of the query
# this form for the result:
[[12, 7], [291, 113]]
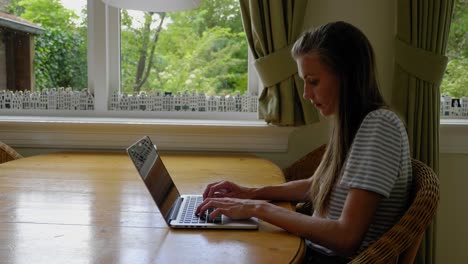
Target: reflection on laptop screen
[[155, 175]]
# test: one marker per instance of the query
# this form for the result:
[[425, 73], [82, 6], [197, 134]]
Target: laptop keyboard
[[188, 214]]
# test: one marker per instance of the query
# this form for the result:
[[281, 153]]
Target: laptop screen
[[154, 174]]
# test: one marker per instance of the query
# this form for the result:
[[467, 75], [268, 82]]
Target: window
[[94, 124], [454, 88], [46, 55], [205, 47], [192, 61], [191, 64]]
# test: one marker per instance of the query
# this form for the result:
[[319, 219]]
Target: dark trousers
[[315, 257]]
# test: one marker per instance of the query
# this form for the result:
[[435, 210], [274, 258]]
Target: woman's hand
[[227, 189], [231, 207]]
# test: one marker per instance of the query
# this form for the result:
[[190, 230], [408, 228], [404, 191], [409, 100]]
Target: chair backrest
[[302, 169], [401, 242], [7, 153], [305, 166]]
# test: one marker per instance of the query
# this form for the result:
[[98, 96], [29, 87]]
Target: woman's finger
[[200, 206], [223, 185], [208, 188]]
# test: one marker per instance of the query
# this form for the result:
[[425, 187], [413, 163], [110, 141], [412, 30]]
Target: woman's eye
[[313, 82]]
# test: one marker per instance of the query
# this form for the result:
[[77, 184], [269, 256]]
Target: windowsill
[[111, 133], [453, 136], [454, 121]]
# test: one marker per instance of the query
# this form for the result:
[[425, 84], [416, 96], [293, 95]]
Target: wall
[[452, 216]]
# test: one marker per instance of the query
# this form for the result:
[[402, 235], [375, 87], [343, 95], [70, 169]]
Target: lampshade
[[154, 5]]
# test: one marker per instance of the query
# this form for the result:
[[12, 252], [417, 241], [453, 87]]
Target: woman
[[361, 186]]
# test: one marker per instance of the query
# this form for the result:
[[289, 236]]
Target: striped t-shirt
[[378, 161]]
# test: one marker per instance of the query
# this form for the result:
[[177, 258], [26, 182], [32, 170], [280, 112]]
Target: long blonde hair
[[348, 53]]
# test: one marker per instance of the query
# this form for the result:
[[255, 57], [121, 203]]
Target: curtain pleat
[[270, 27], [423, 25]]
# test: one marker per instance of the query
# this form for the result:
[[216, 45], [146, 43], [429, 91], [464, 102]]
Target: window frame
[[104, 69], [115, 130]]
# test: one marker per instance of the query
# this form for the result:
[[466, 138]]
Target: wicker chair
[[401, 243], [7, 153], [302, 169]]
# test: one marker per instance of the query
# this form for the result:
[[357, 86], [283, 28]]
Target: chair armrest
[[7, 153]]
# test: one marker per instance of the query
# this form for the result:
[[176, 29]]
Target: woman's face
[[321, 85]]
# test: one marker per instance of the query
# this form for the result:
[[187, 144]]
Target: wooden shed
[[17, 52]]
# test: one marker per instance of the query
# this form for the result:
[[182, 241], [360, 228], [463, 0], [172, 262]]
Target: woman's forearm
[[326, 232], [294, 191]]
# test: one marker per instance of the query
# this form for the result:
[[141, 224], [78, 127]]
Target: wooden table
[[94, 208]]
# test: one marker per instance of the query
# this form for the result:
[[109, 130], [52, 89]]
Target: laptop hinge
[[175, 209]]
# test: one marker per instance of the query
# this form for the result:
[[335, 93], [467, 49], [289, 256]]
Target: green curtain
[[420, 44], [271, 27]]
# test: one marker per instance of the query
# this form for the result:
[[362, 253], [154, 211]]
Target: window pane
[[198, 50], [454, 88], [59, 39]]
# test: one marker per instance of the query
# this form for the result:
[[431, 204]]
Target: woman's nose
[[308, 94]]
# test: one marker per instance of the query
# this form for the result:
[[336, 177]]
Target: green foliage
[[458, 37], [46, 13], [455, 82], [203, 49], [219, 13], [60, 60], [14, 8], [206, 63]]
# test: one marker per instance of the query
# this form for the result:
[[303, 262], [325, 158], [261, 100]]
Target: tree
[[46, 13], [455, 82], [147, 48], [60, 60], [198, 49]]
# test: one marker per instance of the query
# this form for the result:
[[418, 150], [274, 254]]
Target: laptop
[[178, 210]]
